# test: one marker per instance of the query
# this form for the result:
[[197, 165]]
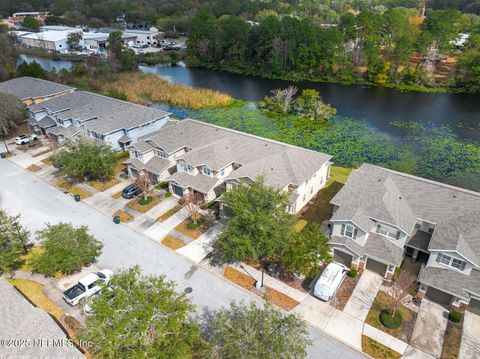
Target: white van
[[329, 281]]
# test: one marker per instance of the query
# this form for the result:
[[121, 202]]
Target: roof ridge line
[[255, 136], [426, 180]]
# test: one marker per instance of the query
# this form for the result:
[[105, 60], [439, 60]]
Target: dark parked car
[[131, 191]]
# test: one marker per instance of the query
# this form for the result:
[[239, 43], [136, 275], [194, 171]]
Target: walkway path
[[198, 249], [364, 295]]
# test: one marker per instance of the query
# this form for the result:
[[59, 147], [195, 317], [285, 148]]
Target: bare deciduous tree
[[192, 204], [398, 292], [143, 183]]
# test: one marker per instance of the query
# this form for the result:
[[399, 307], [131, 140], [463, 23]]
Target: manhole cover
[[188, 290]]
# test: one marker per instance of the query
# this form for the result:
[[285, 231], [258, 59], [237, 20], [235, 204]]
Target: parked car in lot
[[329, 281], [87, 286], [131, 191], [23, 139]]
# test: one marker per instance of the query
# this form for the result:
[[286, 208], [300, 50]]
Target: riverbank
[[53, 56], [145, 89], [299, 78]]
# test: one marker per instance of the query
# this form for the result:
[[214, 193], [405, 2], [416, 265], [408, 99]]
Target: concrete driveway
[[364, 295], [430, 328], [470, 344], [39, 202]]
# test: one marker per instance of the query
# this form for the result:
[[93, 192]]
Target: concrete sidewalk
[[199, 248]]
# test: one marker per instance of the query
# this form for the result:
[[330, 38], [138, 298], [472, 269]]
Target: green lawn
[[321, 209]]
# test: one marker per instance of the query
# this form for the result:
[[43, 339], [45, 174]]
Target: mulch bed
[[377, 350], [451, 340], [74, 190], [404, 332], [30, 146], [103, 186], [271, 295], [193, 233], [124, 216], [169, 213], [33, 168], [173, 242], [134, 204], [38, 154], [345, 292]]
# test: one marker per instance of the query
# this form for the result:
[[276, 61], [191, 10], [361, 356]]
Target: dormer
[[205, 170], [451, 260], [160, 153], [184, 166], [390, 232], [348, 229]]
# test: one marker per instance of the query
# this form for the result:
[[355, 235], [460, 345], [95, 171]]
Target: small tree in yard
[[12, 241], [249, 332], [143, 183], [192, 204], [398, 295], [141, 317], [258, 225], [306, 250], [83, 158], [65, 249]]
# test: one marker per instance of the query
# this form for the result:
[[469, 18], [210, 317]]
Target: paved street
[[39, 202]]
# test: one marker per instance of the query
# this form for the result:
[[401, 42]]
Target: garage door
[[342, 258], [376, 266], [474, 306], [439, 297], [177, 190]]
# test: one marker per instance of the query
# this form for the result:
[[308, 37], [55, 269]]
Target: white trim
[[454, 251], [349, 220]]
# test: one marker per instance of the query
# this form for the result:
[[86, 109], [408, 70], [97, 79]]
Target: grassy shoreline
[[295, 79]]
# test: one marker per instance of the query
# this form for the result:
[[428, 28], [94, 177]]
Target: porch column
[[414, 255], [458, 304], [422, 291], [389, 273]]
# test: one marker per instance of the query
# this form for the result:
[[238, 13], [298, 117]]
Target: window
[[388, 231], [222, 173], [161, 154], [186, 167], [207, 171], [450, 261], [349, 231]]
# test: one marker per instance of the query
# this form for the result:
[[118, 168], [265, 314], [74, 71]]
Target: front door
[[177, 190]]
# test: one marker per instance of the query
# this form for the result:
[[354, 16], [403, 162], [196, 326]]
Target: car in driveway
[[89, 285], [24, 139], [329, 281], [131, 191]]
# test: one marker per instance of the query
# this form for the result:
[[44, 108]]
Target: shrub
[[168, 194], [193, 226], [163, 185], [65, 249], [121, 155], [352, 273], [455, 316], [389, 321], [144, 202]]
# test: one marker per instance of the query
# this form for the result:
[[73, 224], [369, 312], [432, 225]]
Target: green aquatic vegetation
[[432, 152]]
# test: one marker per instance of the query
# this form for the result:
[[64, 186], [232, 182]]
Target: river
[[378, 106]]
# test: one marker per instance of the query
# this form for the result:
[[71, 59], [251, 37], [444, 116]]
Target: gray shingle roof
[[31, 88], [451, 281], [401, 199], [217, 147], [66, 132], [420, 240], [155, 165], [375, 247], [46, 122], [104, 114], [21, 320], [199, 182]]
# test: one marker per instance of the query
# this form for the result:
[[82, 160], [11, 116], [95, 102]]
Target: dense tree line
[[368, 46]]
